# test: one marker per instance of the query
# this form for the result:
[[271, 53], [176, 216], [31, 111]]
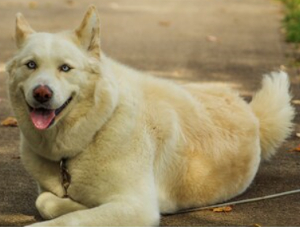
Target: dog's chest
[[91, 181]]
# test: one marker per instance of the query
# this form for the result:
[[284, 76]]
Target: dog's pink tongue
[[42, 119]]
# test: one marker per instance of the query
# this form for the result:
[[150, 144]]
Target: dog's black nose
[[42, 93]]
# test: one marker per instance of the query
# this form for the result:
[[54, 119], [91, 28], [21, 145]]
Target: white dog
[[109, 145]]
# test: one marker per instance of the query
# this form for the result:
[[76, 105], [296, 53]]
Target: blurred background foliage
[[292, 20]]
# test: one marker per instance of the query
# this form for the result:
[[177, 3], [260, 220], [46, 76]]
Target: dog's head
[[52, 72]]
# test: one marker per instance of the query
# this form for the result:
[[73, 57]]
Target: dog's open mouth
[[43, 118]]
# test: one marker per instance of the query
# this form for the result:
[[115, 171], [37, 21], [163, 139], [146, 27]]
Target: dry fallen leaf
[[282, 67], [222, 209], [16, 157], [296, 149], [164, 23], [33, 5], [257, 225], [296, 102], [211, 38], [70, 2], [10, 121]]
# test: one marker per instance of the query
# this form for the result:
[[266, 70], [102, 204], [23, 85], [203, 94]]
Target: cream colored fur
[[136, 146]]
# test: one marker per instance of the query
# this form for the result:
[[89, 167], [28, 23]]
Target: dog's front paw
[[50, 206], [46, 205]]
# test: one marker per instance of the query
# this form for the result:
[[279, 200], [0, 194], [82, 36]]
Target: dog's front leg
[[50, 206], [129, 211]]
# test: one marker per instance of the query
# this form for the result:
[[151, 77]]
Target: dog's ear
[[23, 29], [88, 33]]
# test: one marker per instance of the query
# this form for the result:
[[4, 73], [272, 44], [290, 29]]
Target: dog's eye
[[65, 68], [31, 65]]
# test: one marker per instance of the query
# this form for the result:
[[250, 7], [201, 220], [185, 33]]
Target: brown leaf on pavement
[[296, 102], [296, 149], [70, 2], [164, 23], [283, 68], [257, 225], [16, 157], [211, 38], [33, 5], [222, 209], [10, 121]]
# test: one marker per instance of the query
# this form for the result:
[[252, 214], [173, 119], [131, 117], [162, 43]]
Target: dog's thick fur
[[136, 146]]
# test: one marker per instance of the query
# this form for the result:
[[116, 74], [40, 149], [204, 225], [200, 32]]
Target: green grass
[[292, 20]]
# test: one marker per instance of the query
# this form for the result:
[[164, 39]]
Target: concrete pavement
[[229, 42]]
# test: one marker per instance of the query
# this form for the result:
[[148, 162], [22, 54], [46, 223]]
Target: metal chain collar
[[65, 176]]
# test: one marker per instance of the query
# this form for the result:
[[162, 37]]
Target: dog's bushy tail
[[272, 107]]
